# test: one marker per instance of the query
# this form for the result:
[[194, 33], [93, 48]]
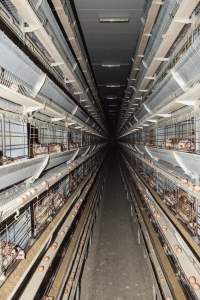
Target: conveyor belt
[[116, 267]]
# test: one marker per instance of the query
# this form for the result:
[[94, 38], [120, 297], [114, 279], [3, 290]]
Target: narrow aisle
[[116, 268]]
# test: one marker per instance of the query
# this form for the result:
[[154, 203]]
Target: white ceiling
[[110, 43]]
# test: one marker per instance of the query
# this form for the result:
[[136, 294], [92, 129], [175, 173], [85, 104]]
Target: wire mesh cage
[[17, 234], [47, 138], [182, 204], [22, 137], [74, 138], [170, 194], [49, 203], [187, 210], [15, 237], [86, 139], [13, 139], [180, 132]]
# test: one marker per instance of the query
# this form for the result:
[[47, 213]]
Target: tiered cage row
[[179, 132], [183, 205], [18, 233], [22, 138]]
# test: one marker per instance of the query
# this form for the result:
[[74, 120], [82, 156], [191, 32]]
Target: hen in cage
[[170, 198], [186, 211], [46, 208], [42, 140], [54, 148], [42, 212], [5, 160], [186, 145], [9, 253], [58, 200], [170, 143], [38, 149], [64, 146]]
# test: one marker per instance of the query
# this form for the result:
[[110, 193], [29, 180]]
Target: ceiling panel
[[105, 75], [110, 4], [110, 43]]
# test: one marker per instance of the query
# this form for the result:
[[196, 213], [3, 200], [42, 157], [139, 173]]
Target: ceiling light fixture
[[164, 115], [152, 121], [143, 91], [111, 98], [113, 85], [110, 65], [113, 20]]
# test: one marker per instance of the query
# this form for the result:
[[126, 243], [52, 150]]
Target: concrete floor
[[116, 268]]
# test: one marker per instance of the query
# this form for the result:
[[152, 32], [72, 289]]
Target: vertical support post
[[131, 211], [3, 134], [154, 292], [90, 241], [139, 237], [197, 129], [67, 138], [81, 137], [32, 220], [78, 292]]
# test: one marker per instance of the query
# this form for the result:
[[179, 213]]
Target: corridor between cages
[[117, 265]]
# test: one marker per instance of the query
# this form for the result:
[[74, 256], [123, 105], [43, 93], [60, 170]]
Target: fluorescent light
[[78, 93], [152, 121], [111, 65], [67, 123], [138, 98], [143, 91], [113, 20], [164, 115], [113, 85], [135, 104], [111, 98]]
